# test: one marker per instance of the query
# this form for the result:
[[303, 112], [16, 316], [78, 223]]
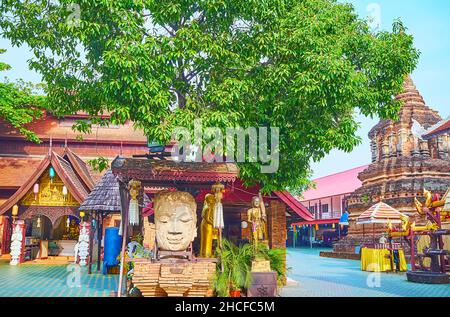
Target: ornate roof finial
[[51, 146], [409, 84]]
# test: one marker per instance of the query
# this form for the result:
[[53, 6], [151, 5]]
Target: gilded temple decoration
[[50, 193]]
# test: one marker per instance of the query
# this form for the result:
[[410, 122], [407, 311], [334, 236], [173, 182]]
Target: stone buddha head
[[175, 220]]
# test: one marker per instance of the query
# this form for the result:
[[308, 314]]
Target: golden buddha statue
[[74, 230], [207, 230], [256, 216]]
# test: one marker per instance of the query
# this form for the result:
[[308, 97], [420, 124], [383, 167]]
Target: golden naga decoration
[[431, 204], [207, 226]]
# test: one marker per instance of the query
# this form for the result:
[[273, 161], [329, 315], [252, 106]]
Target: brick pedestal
[[186, 279]]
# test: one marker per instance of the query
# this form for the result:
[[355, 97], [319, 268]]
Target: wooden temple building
[[47, 206], [25, 168], [408, 156]]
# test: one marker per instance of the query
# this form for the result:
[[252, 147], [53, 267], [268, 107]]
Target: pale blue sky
[[428, 21]]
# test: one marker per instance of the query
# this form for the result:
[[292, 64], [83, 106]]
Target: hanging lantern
[[15, 211], [38, 224], [51, 173], [36, 190], [218, 189], [64, 191], [134, 187], [68, 222], [82, 214], [333, 226], [317, 227]]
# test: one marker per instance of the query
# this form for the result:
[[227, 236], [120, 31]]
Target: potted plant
[[236, 273], [277, 259]]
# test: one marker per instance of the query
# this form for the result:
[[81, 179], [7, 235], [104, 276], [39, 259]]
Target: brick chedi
[[405, 160]]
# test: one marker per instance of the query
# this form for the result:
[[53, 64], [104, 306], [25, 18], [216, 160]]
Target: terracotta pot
[[235, 293]]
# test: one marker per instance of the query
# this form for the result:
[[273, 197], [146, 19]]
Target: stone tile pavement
[[53, 281], [316, 276], [326, 277]]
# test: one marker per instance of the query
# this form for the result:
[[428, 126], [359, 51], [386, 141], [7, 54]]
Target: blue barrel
[[112, 246]]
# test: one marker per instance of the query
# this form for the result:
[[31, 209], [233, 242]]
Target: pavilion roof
[[379, 213], [152, 172], [62, 168], [80, 167], [105, 196]]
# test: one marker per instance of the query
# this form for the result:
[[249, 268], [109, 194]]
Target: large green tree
[[305, 66], [19, 104]]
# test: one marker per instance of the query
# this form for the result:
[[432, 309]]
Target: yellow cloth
[[379, 260]]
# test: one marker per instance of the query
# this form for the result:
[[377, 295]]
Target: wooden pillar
[[91, 245], [124, 201], [99, 238]]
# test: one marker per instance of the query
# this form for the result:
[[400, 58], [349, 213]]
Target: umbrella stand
[[373, 233], [364, 234]]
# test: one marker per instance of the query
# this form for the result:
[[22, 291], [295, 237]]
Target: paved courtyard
[[316, 276], [327, 277], [52, 281]]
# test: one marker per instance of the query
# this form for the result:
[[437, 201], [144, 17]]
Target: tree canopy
[[19, 104], [305, 66]]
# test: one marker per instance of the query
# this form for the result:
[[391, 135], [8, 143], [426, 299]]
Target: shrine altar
[[380, 260]]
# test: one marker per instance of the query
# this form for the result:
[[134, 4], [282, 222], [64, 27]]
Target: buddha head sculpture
[[175, 220]]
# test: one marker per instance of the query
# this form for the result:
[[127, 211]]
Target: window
[[325, 208]]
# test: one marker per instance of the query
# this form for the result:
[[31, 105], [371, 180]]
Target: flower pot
[[235, 293]]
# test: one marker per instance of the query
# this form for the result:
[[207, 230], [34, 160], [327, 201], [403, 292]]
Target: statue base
[[174, 279]]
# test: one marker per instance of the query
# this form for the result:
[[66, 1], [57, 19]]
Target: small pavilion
[[102, 203], [197, 179], [46, 207]]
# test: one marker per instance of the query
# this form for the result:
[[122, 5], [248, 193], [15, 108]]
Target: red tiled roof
[[80, 168], [49, 126], [9, 167], [295, 205], [442, 127], [336, 184], [70, 178]]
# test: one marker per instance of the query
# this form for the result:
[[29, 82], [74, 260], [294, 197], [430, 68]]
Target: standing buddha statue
[[256, 216], [206, 228]]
